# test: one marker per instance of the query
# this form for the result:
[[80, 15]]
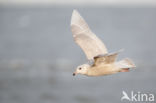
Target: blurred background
[[38, 54]]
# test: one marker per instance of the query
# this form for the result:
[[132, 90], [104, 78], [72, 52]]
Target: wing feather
[[85, 38], [107, 58]]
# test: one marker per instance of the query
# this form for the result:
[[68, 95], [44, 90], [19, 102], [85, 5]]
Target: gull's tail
[[125, 64]]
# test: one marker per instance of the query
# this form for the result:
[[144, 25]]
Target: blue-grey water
[[38, 54]]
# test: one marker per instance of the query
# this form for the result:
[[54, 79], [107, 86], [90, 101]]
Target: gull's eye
[[80, 68]]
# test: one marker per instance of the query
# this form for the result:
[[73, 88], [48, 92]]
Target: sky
[[79, 2]]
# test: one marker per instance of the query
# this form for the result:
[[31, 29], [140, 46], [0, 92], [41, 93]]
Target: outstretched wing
[[85, 38]]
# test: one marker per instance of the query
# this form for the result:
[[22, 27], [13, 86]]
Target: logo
[[137, 96]]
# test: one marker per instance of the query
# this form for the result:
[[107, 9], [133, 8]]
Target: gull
[[100, 62]]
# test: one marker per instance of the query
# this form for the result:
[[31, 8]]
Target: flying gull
[[100, 61]]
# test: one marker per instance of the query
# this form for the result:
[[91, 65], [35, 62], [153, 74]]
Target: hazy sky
[[80, 2]]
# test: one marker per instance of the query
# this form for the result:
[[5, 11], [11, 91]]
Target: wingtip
[[75, 16], [75, 11]]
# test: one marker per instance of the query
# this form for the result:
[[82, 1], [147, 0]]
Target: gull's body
[[102, 70], [104, 63]]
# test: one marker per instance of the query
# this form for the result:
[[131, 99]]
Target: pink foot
[[125, 70]]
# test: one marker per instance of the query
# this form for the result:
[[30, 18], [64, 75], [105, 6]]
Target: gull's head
[[82, 69]]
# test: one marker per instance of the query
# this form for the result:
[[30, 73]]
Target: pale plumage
[[95, 50], [85, 38]]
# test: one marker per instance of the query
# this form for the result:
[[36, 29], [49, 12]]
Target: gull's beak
[[74, 73]]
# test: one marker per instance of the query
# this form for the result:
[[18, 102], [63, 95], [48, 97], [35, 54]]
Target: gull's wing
[[85, 38], [107, 58]]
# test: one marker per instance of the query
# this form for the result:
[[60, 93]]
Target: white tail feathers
[[126, 63]]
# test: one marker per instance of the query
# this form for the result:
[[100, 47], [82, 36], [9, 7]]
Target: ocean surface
[[38, 54]]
